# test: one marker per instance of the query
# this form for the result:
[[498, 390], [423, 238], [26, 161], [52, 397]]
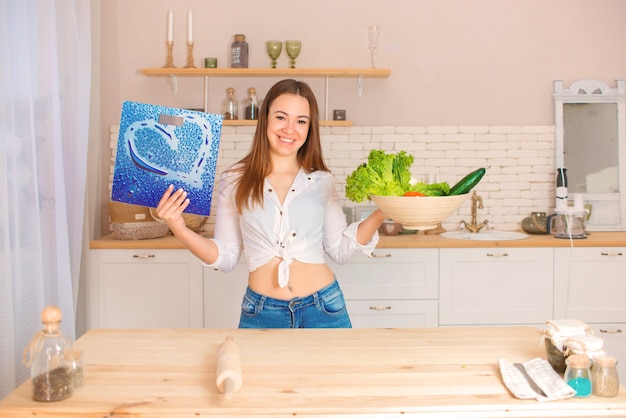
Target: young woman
[[279, 204]]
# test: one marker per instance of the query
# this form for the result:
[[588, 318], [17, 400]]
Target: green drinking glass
[[273, 50], [293, 50]]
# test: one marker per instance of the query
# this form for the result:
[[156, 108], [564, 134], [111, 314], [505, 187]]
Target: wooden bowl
[[419, 212]]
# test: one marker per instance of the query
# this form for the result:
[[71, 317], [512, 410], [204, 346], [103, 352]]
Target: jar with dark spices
[[49, 357], [229, 105], [604, 378], [250, 105]]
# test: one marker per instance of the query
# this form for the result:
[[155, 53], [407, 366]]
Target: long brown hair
[[257, 165]]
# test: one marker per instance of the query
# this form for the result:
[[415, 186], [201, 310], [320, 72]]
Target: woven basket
[[193, 222], [135, 222], [140, 230], [123, 212]]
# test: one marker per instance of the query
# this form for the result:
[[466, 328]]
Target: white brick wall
[[519, 161]]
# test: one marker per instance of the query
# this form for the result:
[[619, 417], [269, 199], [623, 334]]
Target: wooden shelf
[[270, 72], [326, 73], [244, 122]]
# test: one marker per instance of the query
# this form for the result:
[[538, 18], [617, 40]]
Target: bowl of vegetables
[[386, 180], [418, 212]]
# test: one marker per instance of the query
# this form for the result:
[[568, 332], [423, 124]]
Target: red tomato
[[414, 194]]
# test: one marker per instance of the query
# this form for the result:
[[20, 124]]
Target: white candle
[[170, 25], [189, 27]]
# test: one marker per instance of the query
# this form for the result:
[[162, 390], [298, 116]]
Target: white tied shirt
[[310, 223]]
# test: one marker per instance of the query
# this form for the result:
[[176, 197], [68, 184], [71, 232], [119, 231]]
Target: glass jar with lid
[[578, 374], [229, 105], [239, 52], [49, 357], [563, 337], [604, 377], [250, 105]]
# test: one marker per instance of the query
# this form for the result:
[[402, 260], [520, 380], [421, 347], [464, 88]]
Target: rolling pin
[[229, 377]]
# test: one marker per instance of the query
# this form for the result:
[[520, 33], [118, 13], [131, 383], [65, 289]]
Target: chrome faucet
[[477, 203]]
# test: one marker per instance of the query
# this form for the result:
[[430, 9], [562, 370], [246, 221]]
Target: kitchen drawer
[[393, 313], [390, 274]]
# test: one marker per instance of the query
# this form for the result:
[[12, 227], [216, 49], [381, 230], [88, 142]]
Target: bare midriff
[[304, 279]]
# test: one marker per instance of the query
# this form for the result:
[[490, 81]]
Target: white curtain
[[45, 71]]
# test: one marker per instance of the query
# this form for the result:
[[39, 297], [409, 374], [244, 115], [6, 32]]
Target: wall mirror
[[590, 121]]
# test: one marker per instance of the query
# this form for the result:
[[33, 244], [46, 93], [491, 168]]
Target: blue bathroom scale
[[158, 146]]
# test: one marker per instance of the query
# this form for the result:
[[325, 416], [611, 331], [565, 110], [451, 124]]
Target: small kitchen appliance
[[567, 221]]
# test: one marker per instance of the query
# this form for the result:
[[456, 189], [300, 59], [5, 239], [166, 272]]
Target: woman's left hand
[[369, 226]]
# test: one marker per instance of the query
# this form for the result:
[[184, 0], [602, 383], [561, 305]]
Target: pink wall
[[452, 61]]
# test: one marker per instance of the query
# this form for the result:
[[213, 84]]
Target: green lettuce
[[387, 174]]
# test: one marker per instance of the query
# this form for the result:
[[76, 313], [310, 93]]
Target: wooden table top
[[595, 239], [434, 372]]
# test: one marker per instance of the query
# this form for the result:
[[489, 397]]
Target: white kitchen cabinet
[[590, 285], [144, 288], [495, 286], [223, 294], [395, 288]]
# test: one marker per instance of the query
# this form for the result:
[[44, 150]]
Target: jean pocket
[[333, 303], [249, 307]]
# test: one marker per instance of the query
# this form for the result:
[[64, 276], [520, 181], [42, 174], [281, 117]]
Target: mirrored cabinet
[[590, 121]]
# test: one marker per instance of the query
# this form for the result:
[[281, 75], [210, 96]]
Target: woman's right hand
[[171, 206]]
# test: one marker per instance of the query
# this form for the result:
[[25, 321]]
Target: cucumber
[[467, 183]]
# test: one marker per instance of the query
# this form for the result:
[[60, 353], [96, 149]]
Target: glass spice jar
[[230, 108], [239, 52], [250, 105], [604, 378], [49, 357], [578, 374]]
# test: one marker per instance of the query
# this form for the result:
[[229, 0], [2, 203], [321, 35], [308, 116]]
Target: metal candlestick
[[170, 61], [190, 55]]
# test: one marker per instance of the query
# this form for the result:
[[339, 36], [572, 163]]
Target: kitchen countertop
[[595, 239], [430, 372]]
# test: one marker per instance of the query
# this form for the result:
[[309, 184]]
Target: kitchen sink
[[488, 235]]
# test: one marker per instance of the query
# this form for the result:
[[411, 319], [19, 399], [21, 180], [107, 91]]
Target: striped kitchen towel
[[535, 379]]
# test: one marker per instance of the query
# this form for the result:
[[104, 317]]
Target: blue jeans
[[325, 308]]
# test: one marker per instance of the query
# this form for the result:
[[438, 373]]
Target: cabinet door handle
[[611, 331], [380, 308], [612, 254], [374, 255], [497, 255], [143, 256]]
